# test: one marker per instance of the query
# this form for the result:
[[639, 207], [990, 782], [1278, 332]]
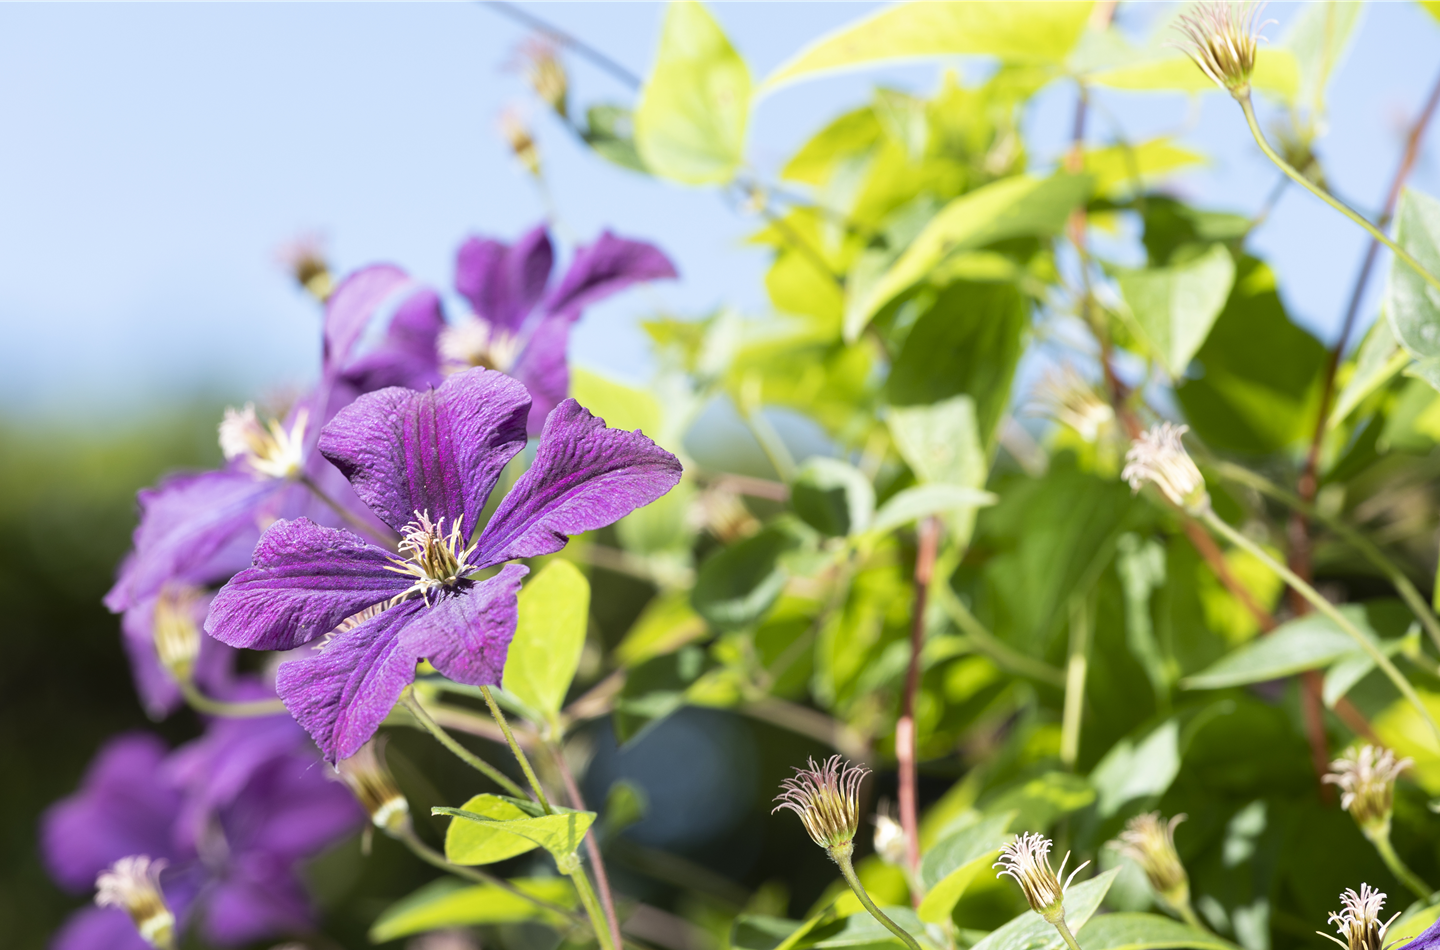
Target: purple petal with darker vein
[[437, 452], [543, 369], [504, 282], [305, 580], [123, 807], [467, 635], [406, 356], [351, 308], [608, 266], [342, 694], [585, 476], [98, 928]]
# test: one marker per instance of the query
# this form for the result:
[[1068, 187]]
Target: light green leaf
[[1028, 33], [833, 497], [1030, 931], [1306, 643], [452, 903], [1175, 307], [554, 613], [1275, 72], [1039, 801], [560, 833], [921, 501], [1427, 369], [1418, 918], [1353, 667], [665, 625], [1432, 7], [1130, 931], [690, 123], [621, 406], [609, 130], [1137, 770], [1412, 305], [951, 865], [762, 932], [1124, 169], [941, 443], [1379, 359], [467, 842], [1012, 207]]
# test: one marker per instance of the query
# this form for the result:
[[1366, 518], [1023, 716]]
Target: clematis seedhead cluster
[[826, 796], [1149, 841], [1366, 776], [367, 777], [1026, 861], [1158, 458], [1358, 922], [1222, 38], [132, 884]]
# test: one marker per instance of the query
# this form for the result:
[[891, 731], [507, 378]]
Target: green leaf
[[833, 497], [1030, 931], [452, 903], [1379, 359], [940, 441], [1127, 169], [621, 406], [1175, 307], [1412, 305], [1354, 667], [469, 843], [1032, 33], [1305, 643], [952, 864], [554, 613], [1418, 918], [1038, 802], [921, 501], [863, 930], [654, 690], [665, 625], [1275, 71], [1018, 206], [560, 833], [737, 585], [690, 123], [1137, 770], [610, 131], [1318, 36], [1130, 931], [762, 932]]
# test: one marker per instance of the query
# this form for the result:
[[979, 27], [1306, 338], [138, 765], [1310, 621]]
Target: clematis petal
[[606, 267], [406, 357], [158, 691], [259, 897], [123, 807], [438, 452], [504, 282], [585, 476], [98, 928], [291, 808], [343, 693], [543, 369], [304, 581], [467, 636], [351, 308]]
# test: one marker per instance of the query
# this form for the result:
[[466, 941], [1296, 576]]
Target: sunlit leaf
[[1028, 33], [1124, 169], [922, 501], [1130, 931], [738, 584], [690, 123], [1276, 71], [1039, 801], [1305, 643], [560, 833], [1379, 359], [449, 902], [665, 625], [1030, 931], [1319, 36], [1132, 770], [554, 614], [950, 866], [467, 842], [1175, 307], [1411, 304]]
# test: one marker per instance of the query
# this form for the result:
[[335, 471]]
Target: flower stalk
[[411, 702], [519, 753]]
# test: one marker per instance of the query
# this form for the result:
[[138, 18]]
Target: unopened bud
[[1159, 457], [268, 448], [827, 799], [304, 259], [374, 787], [521, 142], [545, 73], [1366, 776], [1359, 923], [1149, 841], [1027, 861], [133, 885], [890, 841], [175, 631], [1222, 38]]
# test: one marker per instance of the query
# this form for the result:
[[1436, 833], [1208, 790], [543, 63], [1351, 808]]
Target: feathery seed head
[[827, 799], [1027, 861], [374, 787], [1359, 922], [1159, 457], [889, 838], [1149, 841], [1366, 776], [1221, 36], [304, 259]]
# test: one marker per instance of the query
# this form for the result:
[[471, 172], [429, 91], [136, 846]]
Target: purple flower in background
[[196, 530], [519, 328], [426, 463], [231, 815]]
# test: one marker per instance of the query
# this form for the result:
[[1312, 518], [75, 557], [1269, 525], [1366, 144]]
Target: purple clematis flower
[[425, 462], [521, 329], [232, 815], [196, 530]]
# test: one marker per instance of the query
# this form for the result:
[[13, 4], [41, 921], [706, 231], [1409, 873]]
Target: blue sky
[[158, 154]]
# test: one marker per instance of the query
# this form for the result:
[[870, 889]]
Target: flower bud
[[1366, 777], [521, 142], [1159, 457], [545, 73], [827, 799], [1221, 37], [1359, 923], [374, 787], [1150, 842], [1027, 861], [890, 841], [133, 885], [176, 632], [268, 448], [304, 258]]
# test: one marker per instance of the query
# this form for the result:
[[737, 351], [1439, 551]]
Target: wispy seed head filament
[[1027, 861], [1159, 458], [1359, 922], [1222, 38]]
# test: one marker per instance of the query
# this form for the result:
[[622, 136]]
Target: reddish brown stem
[[592, 847], [905, 739]]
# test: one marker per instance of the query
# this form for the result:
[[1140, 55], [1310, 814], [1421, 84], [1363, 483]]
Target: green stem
[[1368, 549], [1065, 933], [412, 703], [1187, 914], [1329, 199], [218, 707], [1397, 867], [515, 748], [1329, 610], [430, 856], [592, 906], [847, 869], [1075, 669]]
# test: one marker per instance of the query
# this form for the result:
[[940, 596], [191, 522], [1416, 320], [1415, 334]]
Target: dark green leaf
[[736, 586], [833, 497], [452, 903]]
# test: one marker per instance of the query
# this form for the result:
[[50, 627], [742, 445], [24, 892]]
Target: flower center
[[268, 448], [476, 342], [434, 557]]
